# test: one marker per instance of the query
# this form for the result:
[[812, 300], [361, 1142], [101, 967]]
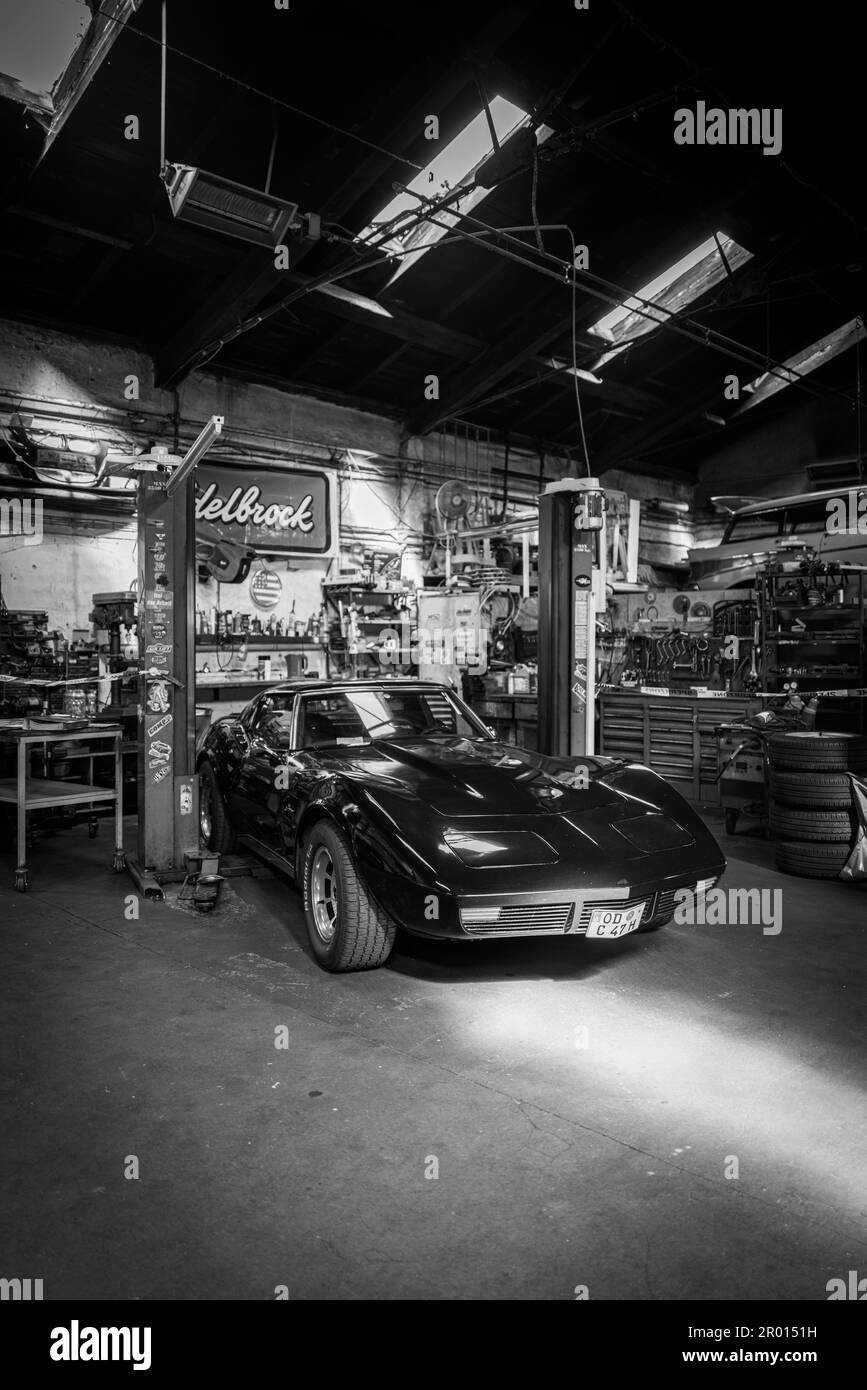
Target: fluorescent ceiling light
[[37, 40], [669, 293], [804, 362], [360, 301], [585, 376], [452, 166]]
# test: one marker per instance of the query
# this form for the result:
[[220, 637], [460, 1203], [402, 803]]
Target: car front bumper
[[538, 912]]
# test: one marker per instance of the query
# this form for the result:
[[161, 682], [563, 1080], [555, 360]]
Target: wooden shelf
[[237, 639], [50, 791]]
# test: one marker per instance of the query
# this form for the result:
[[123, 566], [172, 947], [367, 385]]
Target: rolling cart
[[742, 775], [744, 765], [28, 793]]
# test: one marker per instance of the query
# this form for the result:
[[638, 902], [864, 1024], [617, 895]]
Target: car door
[[261, 783]]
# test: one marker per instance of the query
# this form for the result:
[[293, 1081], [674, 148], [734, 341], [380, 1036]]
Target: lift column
[[571, 591], [168, 826]]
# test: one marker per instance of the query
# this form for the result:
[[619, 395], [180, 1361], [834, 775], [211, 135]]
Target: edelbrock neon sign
[[246, 508]]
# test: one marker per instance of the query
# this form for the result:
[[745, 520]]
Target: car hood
[[459, 777]]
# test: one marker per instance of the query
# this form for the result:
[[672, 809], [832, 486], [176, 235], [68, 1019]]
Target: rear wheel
[[346, 927], [214, 825]]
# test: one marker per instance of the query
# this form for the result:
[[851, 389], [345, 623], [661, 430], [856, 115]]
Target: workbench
[[28, 793]]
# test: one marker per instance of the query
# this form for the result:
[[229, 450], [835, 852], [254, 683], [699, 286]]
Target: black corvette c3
[[392, 805]]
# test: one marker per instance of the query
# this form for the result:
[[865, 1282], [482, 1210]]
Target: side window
[[807, 518]]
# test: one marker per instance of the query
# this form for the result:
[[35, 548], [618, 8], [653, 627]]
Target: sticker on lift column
[[160, 751], [579, 689], [158, 697], [160, 724], [160, 774]]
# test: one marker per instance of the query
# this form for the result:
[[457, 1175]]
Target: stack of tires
[[812, 817]]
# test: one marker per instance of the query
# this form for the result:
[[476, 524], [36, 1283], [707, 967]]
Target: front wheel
[[347, 929]]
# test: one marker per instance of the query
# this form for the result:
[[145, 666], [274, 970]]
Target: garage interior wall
[[79, 388]]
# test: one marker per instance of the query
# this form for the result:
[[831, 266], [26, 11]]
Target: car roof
[[797, 499]]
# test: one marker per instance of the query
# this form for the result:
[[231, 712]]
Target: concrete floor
[[559, 1164]]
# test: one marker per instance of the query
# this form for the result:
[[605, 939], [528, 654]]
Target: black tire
[[214, 826], [346, 927], [831, 789], [810, 860], [821, 827], [817, 752]]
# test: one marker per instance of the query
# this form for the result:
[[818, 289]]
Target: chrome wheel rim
[[205, 819], [323, 895]]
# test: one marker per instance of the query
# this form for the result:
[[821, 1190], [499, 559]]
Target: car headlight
[[489, 849]]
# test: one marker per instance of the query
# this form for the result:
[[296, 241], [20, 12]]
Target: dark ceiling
[[89, 243]]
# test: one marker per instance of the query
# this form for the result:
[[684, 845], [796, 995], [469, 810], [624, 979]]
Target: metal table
[[30, 793]]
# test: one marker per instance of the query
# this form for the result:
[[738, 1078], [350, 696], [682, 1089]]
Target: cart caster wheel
[[118, 863], [731, 821], [20, 880], [92, 829]]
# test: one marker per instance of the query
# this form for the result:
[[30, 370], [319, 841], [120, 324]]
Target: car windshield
[[353, 717]]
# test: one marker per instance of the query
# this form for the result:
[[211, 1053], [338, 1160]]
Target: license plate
[[614, 921]]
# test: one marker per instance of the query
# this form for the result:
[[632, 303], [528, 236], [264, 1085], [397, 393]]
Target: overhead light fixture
[[221, 205], [714, 419], [581, 372], [669, 293], [804, 362], [360, 301]]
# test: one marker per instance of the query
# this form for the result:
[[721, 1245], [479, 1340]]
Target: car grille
[[523, 919]]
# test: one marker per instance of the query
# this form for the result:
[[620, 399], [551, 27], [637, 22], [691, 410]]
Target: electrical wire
[[533, 195]]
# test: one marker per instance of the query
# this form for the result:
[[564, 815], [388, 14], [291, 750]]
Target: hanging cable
[[533, 211]]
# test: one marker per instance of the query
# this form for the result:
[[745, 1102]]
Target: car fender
[[373, 833]]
